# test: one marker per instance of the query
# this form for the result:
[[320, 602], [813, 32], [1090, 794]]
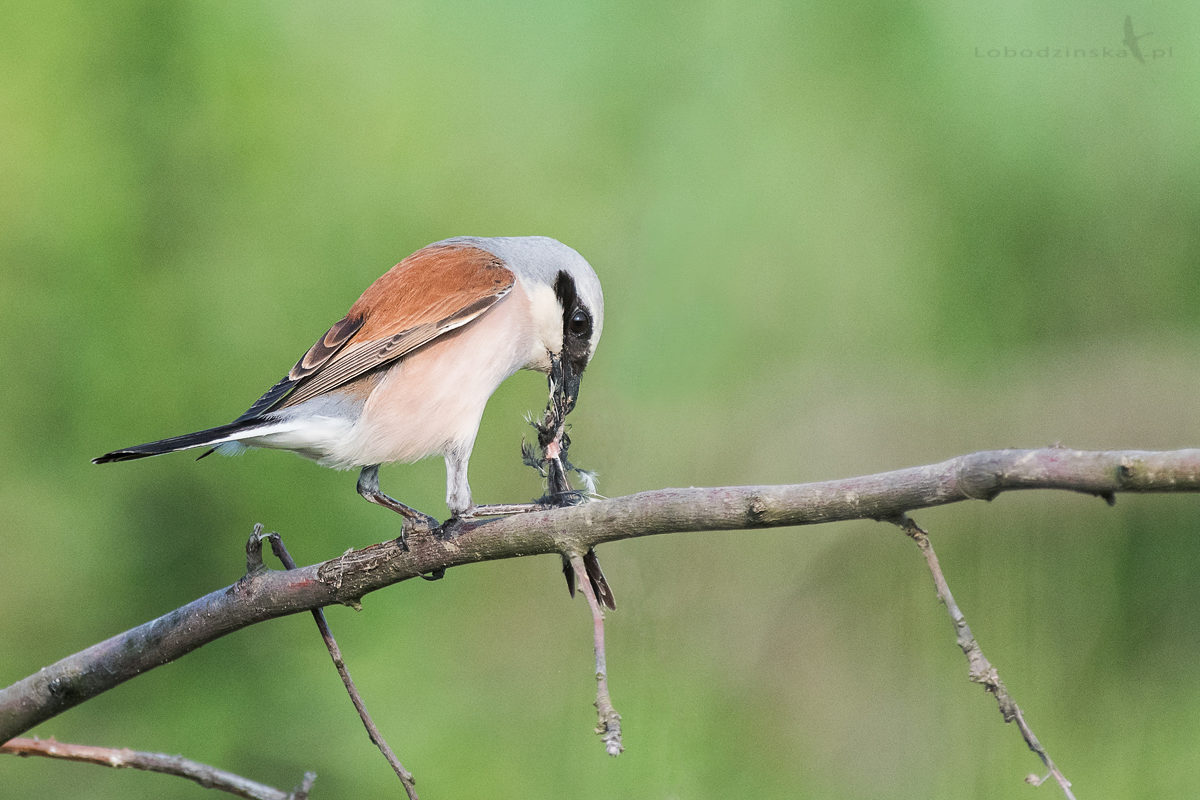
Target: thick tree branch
[[345, 579]]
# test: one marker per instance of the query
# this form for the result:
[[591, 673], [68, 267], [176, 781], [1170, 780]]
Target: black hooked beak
[[564, 383]]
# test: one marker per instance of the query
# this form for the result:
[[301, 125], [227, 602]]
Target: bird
[[407, 372], [1131, 40]]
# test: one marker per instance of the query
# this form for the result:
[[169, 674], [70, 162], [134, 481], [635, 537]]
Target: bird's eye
[[580, 324]]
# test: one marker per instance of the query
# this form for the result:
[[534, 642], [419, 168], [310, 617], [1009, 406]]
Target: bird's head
[[566, 306]]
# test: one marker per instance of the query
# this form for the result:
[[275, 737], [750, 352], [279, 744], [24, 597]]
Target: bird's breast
[[433, 399]]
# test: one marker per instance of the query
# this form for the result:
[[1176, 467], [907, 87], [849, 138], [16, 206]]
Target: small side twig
[[203, 774], [609, 724], [335, 652], [981, 670]]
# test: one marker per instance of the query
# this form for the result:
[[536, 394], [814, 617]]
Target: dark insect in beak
[[564, 384]]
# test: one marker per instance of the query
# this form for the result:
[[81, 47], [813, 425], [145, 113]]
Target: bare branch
[[608, 725], [203, 774], [254, 558], [268, 594], [980, 670]]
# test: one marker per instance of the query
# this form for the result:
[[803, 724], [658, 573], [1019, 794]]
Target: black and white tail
[[230, 432], [254, 422]]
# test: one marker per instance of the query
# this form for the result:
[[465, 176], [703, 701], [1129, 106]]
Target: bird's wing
[[428, 294], [1128, 27]]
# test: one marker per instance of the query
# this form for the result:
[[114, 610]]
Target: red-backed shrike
[[407, 372]]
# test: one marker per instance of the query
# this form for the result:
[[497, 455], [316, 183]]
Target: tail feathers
[[213, 436]]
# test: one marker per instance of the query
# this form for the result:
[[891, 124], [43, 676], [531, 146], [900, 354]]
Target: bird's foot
[[546, 503], [572, 497], [415, 522]]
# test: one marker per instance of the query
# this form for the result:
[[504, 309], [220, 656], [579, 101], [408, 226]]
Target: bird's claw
[[574, 497], [419, 523]]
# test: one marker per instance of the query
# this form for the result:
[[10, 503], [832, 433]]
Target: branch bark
[[345, 579], [608, 725], [254, 563], [981, 670], [203, 774]]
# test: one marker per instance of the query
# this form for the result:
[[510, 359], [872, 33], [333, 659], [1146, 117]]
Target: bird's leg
[[456, 478], [368, 487], [553, 440], [458, 492]]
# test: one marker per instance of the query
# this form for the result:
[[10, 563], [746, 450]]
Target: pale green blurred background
[[834, 240]]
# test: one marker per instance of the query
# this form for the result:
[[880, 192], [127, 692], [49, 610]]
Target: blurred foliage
[[834, 239]]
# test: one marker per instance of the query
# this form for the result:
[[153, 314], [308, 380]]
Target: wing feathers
[[432, 284], [430, 293], [326, 347], [357, 360], [269, 400]]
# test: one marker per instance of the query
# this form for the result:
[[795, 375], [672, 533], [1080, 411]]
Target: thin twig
[[552, 462], [981, 670], [335, 652], [203, 774], [609, 721]]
